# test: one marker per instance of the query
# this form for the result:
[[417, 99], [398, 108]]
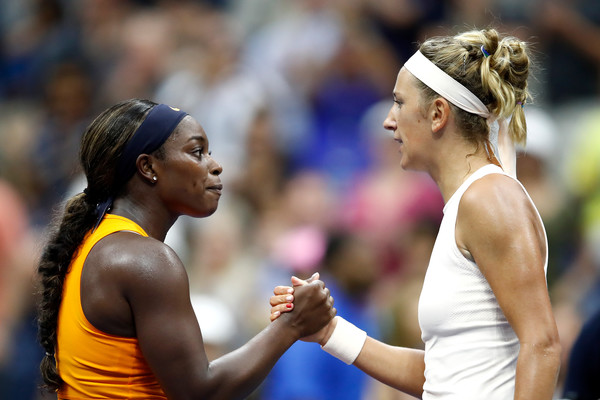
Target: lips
[[215, 188]]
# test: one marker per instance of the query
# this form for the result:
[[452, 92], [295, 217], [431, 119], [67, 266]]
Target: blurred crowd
[[292, 95]]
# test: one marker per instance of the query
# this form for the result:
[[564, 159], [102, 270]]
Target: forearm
[[398, 367], [537, 371], [237, 374]]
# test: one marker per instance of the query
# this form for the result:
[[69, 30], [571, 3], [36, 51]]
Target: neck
[[152, 218], [455, 165]]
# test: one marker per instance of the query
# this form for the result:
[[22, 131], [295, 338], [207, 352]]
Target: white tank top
[[470, 348]]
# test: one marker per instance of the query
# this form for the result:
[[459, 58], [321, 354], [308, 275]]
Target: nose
[[215, 167], [389, 123]]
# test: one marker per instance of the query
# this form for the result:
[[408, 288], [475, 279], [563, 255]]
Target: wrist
[[345, 341], [328, 331], [285, 325]]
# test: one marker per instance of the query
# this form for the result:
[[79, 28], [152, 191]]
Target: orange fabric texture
[[93, 364]]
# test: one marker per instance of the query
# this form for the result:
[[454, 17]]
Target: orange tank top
[[93, 364]]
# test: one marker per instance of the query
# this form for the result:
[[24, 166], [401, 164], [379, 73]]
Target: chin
[[204, 213], [408, 166], [405, 165], [200, 210]]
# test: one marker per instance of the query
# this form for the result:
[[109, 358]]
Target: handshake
[[313, 316]]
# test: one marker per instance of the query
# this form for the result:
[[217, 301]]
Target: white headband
[[446, 86], [443, 84]]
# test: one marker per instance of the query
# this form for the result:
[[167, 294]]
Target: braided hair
[[101, 146]]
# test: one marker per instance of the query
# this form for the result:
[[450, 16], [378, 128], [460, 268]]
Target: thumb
[[300, 282], [313, 278]]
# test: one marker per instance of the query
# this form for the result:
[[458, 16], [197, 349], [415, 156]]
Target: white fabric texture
[[470, 348]]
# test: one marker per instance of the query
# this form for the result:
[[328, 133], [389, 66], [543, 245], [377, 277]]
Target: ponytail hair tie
[[520, 103], [484, 51]]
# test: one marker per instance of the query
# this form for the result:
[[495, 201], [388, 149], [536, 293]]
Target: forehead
[[405, 82], [188, 130]]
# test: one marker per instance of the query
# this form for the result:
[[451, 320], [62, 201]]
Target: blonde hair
[[498, 80]]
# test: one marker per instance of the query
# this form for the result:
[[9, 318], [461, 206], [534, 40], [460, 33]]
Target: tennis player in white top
[[484, 311]]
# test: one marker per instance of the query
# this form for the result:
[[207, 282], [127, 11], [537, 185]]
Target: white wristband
[[346, 341]]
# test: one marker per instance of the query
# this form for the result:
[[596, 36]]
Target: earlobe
[[440, 111]]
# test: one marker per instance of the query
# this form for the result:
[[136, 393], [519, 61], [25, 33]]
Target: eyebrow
[[197, 138]]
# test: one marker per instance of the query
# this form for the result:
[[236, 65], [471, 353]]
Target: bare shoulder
[[495, 215], [132, 258], [127, 272], [496, 198]]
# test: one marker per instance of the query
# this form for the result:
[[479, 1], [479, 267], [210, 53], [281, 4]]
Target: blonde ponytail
[[494, 69]]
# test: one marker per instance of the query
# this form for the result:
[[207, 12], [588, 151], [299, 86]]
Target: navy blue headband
[[156, 128], [149, 136]]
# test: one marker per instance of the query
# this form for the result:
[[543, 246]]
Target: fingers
[[282, 290], [281, 299], [332, 310], [276, 311], [281, 302], [313, 305]]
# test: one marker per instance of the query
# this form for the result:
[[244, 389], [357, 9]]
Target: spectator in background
[[571, 48], [583, 370], [581, 282], [40, 36], [19, 375], [384, 203], [68, 106], [348, 266]]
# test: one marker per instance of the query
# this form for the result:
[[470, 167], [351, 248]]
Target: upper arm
[[499, 226], [166, 326]]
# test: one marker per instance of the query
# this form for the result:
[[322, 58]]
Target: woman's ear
[[144, 165], [440, 113]]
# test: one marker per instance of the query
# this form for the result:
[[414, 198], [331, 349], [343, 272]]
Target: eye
[[198, 152]]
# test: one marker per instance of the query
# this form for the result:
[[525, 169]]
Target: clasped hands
[[282, 301]]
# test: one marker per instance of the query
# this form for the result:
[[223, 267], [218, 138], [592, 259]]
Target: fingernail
[[289, 298], [276, 314], [290, 290], [288, 305]]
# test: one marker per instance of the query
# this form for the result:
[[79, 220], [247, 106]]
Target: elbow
[[552, 346], [551, 349], [547, 347]]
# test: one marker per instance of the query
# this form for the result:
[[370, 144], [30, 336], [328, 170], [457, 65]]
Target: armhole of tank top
[[455, 247], [84, 318]]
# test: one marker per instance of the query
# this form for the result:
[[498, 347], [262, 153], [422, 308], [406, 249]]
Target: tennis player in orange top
[[115, 316]]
